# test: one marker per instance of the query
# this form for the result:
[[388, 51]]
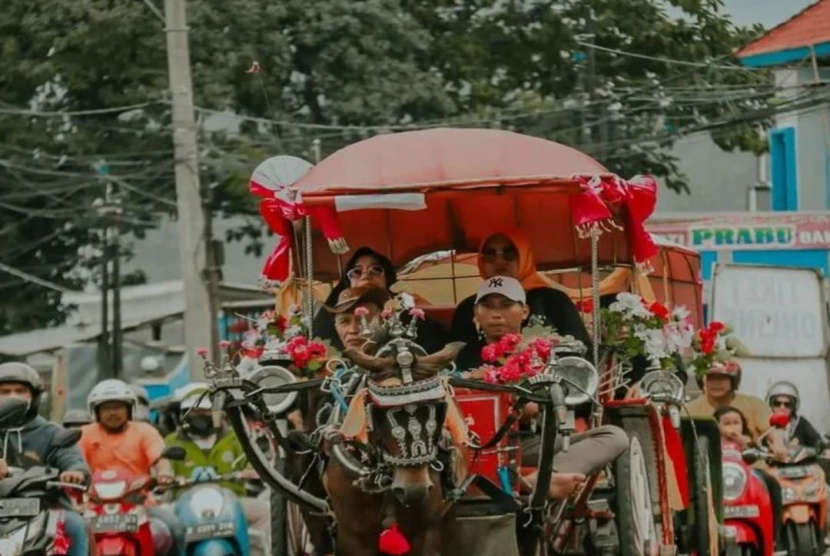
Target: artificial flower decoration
[[283, 337], [714, 344], [519, 356], [632, 326]]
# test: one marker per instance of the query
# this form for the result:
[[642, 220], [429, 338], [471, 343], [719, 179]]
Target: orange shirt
[[133, 450]]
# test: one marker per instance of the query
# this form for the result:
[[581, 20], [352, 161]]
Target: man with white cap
[[209, 444], [500, 309]]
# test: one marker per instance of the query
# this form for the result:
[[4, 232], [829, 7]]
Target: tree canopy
[[83, 86]]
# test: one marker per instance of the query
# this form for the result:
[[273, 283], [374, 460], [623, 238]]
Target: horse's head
[[407, 409]]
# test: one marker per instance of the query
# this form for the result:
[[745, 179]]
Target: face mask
[[199, 425]]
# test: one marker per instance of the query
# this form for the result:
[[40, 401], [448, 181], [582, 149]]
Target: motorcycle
[[803, 493], [28, 524], [119, 519], [804, 496], [212, 516], [747, 509]]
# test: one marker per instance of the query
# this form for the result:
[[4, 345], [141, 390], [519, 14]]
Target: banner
[[748, 231]]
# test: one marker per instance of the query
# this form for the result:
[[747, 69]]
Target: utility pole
[[198, 322], [110, 210]]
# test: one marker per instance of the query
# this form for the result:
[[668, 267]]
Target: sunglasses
[[490, 255], [358, 272], [782, 403]]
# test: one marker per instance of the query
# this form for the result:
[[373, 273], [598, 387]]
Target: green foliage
[[334, 70]]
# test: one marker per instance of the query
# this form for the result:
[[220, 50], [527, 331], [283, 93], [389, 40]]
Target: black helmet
[[24, 374], [76, 418]]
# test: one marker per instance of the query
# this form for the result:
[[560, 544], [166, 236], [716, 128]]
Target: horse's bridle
[[400, 404]]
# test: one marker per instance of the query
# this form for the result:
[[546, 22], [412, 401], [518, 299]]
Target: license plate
[[117, 523], [19, 507], [793, 472], [209, 530]]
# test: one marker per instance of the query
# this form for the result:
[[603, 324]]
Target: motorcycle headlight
[[110, 491], [734, 481], [207, 502]]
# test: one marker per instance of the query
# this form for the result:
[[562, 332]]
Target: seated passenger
[[500, 308], [366, 269], [732, 426], [508, 253]]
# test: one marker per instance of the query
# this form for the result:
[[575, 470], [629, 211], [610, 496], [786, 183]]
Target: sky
[[766, 12]]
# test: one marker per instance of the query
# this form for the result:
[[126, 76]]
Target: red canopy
[[440, 158], [468, 182]]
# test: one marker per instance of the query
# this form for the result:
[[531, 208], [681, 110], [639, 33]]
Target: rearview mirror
[[174, 453], [12, 411], [779, 420], [66, 438]]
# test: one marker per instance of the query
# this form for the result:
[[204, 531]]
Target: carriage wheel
[[289, 534], [635, 512]]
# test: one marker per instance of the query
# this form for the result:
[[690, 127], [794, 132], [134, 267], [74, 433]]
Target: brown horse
[[410, 450]]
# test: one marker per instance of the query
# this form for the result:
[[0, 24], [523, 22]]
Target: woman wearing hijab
[[508, 253], [366, 269]]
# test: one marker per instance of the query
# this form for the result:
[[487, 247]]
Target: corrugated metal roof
[[809, 27]]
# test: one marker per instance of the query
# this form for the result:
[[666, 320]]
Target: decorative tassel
[[391, 541]]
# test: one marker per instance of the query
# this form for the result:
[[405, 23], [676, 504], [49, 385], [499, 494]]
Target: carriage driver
[[500, 309]]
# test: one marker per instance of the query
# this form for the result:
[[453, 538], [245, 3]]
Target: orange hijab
[[528, 275]]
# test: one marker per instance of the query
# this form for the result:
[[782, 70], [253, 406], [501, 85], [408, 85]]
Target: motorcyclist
[[115, 442], [142, 408], [30, 443], [208, 445], [75, 419], [783, 397], [720, 389]]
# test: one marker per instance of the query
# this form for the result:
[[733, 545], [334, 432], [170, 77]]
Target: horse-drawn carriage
[[411, 194]]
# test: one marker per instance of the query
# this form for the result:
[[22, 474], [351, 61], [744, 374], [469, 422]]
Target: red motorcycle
[[747, 509], [119, 519]]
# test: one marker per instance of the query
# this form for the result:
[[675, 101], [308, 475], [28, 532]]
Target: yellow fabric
[[528, 275], [755, 410]]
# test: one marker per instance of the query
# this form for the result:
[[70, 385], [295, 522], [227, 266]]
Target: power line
[[665, 60], [33, 279], [62, 113]]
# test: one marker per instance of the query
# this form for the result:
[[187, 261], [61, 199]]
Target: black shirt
[[548, 306]]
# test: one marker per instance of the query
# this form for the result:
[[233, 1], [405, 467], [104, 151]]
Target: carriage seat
[[441, 314]]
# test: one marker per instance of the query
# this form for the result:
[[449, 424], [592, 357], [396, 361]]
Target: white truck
[[780, 314]]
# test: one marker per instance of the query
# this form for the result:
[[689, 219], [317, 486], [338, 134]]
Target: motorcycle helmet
[[24, 374], [142, 410], [731, 369], [75, 418], [196, 423], [110, 390], [783, 388]]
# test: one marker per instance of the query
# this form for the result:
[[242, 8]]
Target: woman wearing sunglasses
[[508, 253], [369, 269], [783, 397]]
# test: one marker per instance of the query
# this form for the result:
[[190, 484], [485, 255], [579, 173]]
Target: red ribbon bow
[[279, 214], [634, 201]]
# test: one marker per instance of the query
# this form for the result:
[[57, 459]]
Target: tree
[[95, 73]]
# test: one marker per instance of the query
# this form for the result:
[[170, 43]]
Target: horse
[[402, 450]]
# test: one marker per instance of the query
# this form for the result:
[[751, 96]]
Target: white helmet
[[140, 393], [110, 390], [189, 395], [783, 388]]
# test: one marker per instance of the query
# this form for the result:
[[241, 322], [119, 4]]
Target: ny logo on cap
[[496, 283]]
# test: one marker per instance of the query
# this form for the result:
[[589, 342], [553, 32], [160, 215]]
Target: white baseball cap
[[508, 287]]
